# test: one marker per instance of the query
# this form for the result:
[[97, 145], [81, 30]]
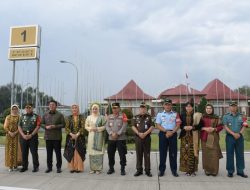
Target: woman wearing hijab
[[75, 147], [188, 160], [12, 146], [95, 124], [211, 152]]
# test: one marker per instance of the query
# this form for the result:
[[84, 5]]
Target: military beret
[[167, 101], [116, 104], [233, 103]]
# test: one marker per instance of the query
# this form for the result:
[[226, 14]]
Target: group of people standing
[[22, 136], [204, 128]]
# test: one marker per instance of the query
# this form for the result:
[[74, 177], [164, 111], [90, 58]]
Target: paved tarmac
[[86, 181]]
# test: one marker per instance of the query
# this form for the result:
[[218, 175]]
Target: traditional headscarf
[[77, 108], [97, 106], [11, 112], [212, 115]]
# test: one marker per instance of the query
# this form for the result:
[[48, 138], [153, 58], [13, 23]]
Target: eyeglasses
[[28, 107]]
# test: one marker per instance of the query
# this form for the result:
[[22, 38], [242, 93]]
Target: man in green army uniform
[[29, 125]]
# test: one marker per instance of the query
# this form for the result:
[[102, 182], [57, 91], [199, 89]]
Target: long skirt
[[76, 163], [211, 156], [188, 162], [13, 155], [96, 162]]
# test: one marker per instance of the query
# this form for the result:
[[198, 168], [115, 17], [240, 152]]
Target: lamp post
[[63, 61]]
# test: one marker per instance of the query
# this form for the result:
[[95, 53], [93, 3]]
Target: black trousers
[[143, 147], [50, 146], [165, 144], [122, 150], [32, 145]]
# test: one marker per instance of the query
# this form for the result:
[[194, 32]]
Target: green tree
[[202, 105], [29, 95], [129, 131]]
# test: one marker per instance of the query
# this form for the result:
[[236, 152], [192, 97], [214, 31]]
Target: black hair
[[53, 101], [189, 103]]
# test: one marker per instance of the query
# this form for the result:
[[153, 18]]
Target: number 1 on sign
[[24, 35]]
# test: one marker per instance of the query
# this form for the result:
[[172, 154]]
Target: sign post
[[25, 45]]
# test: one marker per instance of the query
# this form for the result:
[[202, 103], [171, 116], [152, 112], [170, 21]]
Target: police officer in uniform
[[234, 125], [29, 125], [116, 129], [168, 122], [142, 126]]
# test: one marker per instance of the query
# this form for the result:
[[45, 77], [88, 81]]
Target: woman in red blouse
[[211, 152]]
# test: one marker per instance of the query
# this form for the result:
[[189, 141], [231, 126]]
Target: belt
[[27, 132]]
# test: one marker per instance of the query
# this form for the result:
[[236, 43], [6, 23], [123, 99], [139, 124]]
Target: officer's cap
[[143, 105], [115, 105], [167, 101], [233, 103]]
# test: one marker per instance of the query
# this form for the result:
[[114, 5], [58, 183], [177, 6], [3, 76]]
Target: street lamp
[[63, 61]]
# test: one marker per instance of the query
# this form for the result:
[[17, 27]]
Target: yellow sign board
[[23, 53], [25, 36]]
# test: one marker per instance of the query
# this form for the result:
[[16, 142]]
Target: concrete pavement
[[66, 180]]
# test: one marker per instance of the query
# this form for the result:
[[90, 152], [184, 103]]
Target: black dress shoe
[[58, 170], [230, 175], [123, 172], [161, 174], [23, 169], [48, 170], [138, 173], [175, 174], [149, 174], [242, 175], [35, 170], [111, 171], [72, 171]]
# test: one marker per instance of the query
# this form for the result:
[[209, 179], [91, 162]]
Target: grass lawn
[[154, 142]]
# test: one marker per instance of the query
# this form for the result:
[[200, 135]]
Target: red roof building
[[219, 95], [218, 90], [181, 94], [130, 97], [130, 91]]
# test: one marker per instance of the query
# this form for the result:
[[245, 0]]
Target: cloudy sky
[[113, 41]]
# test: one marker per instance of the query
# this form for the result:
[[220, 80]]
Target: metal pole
[[77, 101], [37, 85], [76, 97], [13, 83], [21, 100]]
